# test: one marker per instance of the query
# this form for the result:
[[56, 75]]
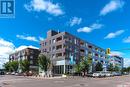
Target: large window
[[59, 38], [58, 47], [53, 48], [45, 43], [53, 40], [58, 69], [58, 54], [53, 56]]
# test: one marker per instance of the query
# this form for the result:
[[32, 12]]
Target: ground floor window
[[60, 69]]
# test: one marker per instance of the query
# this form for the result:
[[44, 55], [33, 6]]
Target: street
[[19, 81]]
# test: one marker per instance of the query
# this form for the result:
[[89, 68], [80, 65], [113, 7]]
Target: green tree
[[77, 68], [89, 59], [116, 68], [84, 66], [14, 65], [44, 62], [128, 69], [110, 67], [98, 67], [7, 66], [11, 66], [25, 65]]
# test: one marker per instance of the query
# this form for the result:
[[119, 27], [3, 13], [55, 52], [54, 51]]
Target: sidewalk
[[41, 77]]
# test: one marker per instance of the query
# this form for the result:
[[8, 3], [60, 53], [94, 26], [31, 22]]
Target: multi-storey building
[[117, 61], [30, 54], [65, 50]]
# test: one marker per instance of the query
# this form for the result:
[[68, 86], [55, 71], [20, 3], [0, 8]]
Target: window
[[53, 40], [96, 49], [45, 50], [53, 55], [58, 47], [59, 38], [45, 43], [96, 55], [31, 62], [31, 57], [90, 46], [31, 51], [49, 48], [53, 48], [50, 42], [58, 54], [82, 43]]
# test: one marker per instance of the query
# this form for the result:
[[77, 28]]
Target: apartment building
[[66, 50], [117, 61], [31, 54]]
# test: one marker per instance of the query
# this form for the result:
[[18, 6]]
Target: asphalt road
[[17, 81]]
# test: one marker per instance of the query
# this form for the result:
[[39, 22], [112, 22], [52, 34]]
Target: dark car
[[2, 73]]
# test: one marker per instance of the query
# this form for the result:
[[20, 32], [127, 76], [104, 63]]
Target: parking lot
[[20, 81]]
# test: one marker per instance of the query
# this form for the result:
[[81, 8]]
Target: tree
[[44, 62], [84, 66], [25, 65], [110, 67], [14, 65], [11, 66], [98, 67], [89, 60], [77, 68], [128, 69], [7, 66], [116, 68]]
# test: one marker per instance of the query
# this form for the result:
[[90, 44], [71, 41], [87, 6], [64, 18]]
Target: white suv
[[97, 74]]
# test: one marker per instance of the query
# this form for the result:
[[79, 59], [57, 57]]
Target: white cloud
[[117, 53], [126, 62], [30, 38], [90, 28], [112, 6], [41, 38], [43, 5], [75, 21], [114, 34], [127, 40], [6, 48]]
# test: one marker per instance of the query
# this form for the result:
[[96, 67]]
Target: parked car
[[90, 75], [8, 73], [103, 74], [125, 73], [97, 74], [116, 73], [13, 73], [2, 73], [107, 73]]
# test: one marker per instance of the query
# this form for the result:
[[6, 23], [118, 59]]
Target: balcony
[[59, 55], [82, 44], [58, 47], [59, 39]]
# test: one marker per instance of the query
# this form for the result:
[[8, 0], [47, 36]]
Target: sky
[[105, 23]]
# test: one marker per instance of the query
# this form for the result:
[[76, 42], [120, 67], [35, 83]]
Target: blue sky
[[102, 22]]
